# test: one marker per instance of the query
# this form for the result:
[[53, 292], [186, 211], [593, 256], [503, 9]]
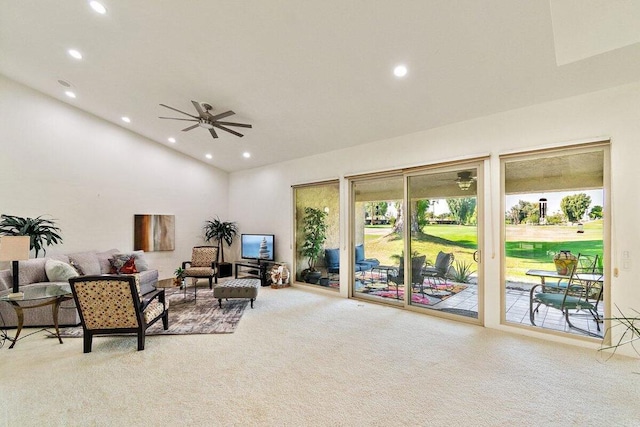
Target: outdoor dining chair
[[575, 296]]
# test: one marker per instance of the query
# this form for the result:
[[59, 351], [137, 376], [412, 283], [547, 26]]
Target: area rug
[[187, 316], [431, 296]]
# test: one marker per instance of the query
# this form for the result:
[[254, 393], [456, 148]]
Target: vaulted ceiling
[[313, 76]]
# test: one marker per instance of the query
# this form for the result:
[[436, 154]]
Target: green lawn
[[526, 246]]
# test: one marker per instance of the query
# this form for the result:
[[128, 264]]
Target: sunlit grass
[[527, 247]]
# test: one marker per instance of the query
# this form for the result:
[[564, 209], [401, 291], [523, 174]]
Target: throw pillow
[[123, 264], [77, 267], [129, 267], [58, 271], [141, 262]]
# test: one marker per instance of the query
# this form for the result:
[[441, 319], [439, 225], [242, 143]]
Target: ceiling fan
[[207, 120], [465, 180]]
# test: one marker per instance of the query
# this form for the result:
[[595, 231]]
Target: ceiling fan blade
[[213, 133], [227, 129], [176, 118], [198, 108], [242, 125], [175, 109], [190, 127], [222, 115]]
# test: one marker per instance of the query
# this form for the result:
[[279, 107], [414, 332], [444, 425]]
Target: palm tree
[[220, 231]]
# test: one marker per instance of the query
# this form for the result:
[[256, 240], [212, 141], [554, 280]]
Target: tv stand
[[255, 269]]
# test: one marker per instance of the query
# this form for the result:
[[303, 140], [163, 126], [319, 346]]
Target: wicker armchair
[[111, 304]]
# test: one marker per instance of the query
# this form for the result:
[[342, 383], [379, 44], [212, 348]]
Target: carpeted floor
[[191, 316], [305, 358]]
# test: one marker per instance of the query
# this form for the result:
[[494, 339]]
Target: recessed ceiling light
[[126, 119], [246, 154], [70, 94], [400, 71], [74, 53], [172, 140], [64, 83], [98, 7], [209, 156]]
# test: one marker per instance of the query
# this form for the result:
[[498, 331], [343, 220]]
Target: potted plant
[[221, 231], [43, 232], [315, 233], [179, 280]]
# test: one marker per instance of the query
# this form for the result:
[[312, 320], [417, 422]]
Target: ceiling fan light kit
[[206, 120], [465, 180]]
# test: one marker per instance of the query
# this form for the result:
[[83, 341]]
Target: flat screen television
[[258, 247]]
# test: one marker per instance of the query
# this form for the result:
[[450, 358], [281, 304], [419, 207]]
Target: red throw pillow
[[129, 267]]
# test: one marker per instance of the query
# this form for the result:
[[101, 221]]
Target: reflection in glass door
[[443, 224]]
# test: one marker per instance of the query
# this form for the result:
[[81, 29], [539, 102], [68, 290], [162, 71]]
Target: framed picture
[[154, 233]]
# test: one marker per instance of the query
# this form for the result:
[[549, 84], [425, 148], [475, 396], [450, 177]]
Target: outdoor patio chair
[[417, 263], [111, 304], [584, 264], [575, 296], [436, 275]]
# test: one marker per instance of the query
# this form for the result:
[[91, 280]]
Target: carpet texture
[[305, 358], [187, 316]]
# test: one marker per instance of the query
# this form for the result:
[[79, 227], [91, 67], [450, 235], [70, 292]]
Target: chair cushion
[[332, 257], [443, 260], [571, 303], [198, 272], [203, 256], [359, 253]]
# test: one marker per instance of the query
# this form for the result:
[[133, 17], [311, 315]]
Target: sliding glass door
[[415, 237], [555, 224], [443, 225]]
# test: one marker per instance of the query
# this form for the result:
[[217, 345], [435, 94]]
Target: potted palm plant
[[221, 231], [42, 232], [315, 233]]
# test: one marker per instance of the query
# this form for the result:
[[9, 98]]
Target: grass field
[[526, 246]]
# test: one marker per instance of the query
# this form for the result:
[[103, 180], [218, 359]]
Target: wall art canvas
[[154, 233]]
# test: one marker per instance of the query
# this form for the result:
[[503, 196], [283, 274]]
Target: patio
[[465, 303]]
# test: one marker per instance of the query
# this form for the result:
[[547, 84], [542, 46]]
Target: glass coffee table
[[39, 296]]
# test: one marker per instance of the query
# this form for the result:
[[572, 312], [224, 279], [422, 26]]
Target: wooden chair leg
[[210, 282], [165, 320], [252, 302], [87, 340], [220, 302], [141, 337]]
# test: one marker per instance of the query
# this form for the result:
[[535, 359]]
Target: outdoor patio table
[[542, 274], [386, 269]]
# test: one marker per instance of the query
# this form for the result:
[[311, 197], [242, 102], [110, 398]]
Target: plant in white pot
[[315, 233]]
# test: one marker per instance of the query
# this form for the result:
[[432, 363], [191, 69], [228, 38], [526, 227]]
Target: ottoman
[[237, 288]]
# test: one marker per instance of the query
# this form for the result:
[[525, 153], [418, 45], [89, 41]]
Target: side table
[[49, 294]]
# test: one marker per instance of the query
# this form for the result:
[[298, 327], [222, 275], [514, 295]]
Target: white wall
[[93, 177], [261, 198]]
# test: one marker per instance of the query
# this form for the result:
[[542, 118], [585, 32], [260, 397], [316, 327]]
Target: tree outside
[[575, 206]]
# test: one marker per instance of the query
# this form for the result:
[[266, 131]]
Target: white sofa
[[32, 272]]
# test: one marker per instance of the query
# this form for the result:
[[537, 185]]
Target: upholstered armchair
[[203, 264], [112, 304]]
